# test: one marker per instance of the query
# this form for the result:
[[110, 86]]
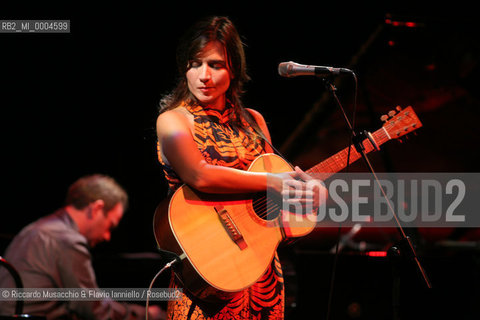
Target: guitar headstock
[[401, 122]]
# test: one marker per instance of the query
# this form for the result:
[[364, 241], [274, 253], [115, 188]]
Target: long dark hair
[[219, 29]]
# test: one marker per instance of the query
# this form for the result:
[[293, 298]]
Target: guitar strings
[[265, 208], [268, 209]]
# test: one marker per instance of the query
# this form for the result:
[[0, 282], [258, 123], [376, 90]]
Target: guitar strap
[[259, 132]]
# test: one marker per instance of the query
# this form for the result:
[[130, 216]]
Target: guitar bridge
[[230, 227]]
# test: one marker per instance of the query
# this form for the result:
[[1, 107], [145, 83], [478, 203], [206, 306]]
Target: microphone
[[292, 69]]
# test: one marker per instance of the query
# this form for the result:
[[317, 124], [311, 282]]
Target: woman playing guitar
[[207, 140]]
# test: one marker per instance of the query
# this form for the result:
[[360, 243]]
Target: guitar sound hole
[[266, 208]]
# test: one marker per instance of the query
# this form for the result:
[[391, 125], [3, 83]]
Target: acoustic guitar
[[226, 242]]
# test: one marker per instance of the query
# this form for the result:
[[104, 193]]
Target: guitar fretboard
[[338, 161]]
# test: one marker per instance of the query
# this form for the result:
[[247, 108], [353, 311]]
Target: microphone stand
[[404, 248]]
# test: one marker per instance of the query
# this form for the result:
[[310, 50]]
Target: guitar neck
[[338, 161]]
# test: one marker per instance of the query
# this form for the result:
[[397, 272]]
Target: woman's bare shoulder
[[178, 117]]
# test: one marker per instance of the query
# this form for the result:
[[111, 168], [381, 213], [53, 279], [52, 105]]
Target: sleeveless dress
[[224, 145]]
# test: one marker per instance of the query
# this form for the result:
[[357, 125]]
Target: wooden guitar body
[[223, 240]]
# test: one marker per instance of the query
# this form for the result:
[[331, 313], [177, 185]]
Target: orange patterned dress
[[223, 144]]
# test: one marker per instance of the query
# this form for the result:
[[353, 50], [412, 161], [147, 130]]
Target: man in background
[[53, 252]]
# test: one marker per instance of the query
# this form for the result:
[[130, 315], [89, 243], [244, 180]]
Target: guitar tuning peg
[[391, 113], [398, 108], [384, 118]]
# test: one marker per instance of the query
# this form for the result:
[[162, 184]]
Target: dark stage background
[[86, 102]]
